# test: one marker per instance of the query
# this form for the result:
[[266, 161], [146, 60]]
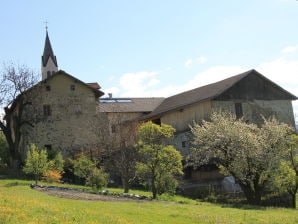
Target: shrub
[[52, 176], [86, 169], [36, 162], [97, 179]]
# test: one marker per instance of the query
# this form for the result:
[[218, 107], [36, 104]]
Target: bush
[[167, 184], [86, 169], [52, 176], [36, 162], [97, 179]]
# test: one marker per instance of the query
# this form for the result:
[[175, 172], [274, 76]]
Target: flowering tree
[[245, 151]]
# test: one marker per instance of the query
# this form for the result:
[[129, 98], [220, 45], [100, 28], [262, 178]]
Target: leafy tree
[[286, 177], [86, 169], [36, 162], [160, 162], [242, 150], [14, 81], [122, 162]]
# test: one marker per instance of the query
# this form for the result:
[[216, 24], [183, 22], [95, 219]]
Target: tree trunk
[[14, 164], [125, 184], [253, 197], [293, 196], [153, 188], [154, 192]]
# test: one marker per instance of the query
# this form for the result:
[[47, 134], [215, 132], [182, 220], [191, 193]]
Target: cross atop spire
[[46, 22]]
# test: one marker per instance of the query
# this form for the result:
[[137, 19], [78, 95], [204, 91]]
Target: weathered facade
[[249, 95], [63, 113]]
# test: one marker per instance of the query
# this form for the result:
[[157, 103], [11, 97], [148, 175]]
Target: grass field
[[21, 204]]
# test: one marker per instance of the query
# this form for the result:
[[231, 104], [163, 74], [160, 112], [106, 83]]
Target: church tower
[[48, 60]]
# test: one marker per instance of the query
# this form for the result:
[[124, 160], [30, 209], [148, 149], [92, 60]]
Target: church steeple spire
[[49, 63]]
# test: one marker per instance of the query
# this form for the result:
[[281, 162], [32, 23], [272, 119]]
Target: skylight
[[115, 100]]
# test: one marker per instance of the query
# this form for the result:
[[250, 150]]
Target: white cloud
[[290, 49], [199, 60], [188, 63], [138, 84]]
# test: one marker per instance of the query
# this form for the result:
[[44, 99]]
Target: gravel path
[[79, 195]]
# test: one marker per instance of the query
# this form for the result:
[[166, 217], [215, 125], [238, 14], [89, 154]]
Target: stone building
[[64, 113], [67, 113], [63, 110]]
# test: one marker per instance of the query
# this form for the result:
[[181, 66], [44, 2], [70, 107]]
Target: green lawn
[[20, 204]]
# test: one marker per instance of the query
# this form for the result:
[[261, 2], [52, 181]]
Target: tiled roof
[[129, 104], [203, 93], [94, 85], [48, 52]]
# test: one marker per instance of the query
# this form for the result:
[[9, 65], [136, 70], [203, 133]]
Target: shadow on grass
[[15, 183], [243, 206]]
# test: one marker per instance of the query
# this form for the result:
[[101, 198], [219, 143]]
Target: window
[[238, 110], [48, 74], [72, 87], [183, 144], [77, 109], [113, 128], [157, 121], [48, 88], [47, 110], [48, 147]]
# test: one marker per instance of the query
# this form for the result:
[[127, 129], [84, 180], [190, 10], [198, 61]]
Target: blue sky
[[156, 47]]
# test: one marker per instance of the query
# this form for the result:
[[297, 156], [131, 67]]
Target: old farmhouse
[[68, 114]]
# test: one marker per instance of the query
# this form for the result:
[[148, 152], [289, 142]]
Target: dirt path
[[79, 195]]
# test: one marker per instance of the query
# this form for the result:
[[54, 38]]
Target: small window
[[157, 121], [48, 74], [77, 109], [47, 110], [113, 128], [183, 144], [72, 87], [48, 147], [238, 110], [48, 88]]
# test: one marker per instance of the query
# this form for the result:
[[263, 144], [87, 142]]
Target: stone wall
[[63, 114]]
